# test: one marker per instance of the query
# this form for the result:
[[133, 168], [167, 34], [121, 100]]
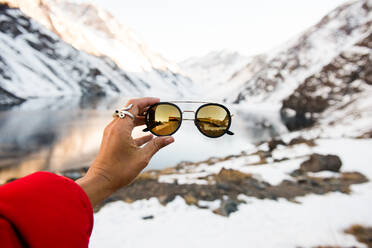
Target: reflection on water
[[66, 133]]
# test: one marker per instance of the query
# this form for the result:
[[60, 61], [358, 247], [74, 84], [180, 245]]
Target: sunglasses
[[164, 118]]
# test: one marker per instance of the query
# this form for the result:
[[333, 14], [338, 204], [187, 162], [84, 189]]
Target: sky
[[179, 29]]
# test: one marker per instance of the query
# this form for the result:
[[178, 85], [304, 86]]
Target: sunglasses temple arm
[[147, 129], [229, 132]]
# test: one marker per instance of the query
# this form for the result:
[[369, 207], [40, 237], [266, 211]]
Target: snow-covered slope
[[216, 67], [288, 66], [340, 93], [34, 62], [313, 220], [96, 31], [8, 99]]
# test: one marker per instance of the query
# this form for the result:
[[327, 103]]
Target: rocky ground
[[280, 170], [362, 234], [209, 180], [309, 187], [228, 184]]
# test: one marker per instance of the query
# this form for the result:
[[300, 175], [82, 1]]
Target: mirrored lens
[[163, 119], [212, 120]]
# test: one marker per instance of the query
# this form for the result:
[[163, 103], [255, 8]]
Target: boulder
[[231, 176], [301, 140], [148, 217], [227, 207], [190, 200], [274, 143], [362, 233], [318, 162]]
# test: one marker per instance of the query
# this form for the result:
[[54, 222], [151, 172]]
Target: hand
[[121, 158]]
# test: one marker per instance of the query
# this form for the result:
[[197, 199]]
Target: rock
[[318, 162], [361, 233], [301, 140], [168, 171], [227, 207], [190, 200], [354, 177], [274, 143], [263, 157], [259, 185], [147, 175], [149, 217], [165, 199], [366, 135], [223, 186], [296, 122], [296, 173], [128, 200], [230, 175]]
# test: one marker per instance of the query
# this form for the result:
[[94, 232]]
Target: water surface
[[59, 134]]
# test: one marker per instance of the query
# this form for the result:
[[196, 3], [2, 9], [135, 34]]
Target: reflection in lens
[[163, 119], [212, 120]]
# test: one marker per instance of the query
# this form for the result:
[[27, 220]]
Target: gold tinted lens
[[212, 120], [163, 119]]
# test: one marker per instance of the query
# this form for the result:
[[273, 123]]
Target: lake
[[65, 133]]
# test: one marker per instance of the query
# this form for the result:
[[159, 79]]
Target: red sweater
[[44, 210]]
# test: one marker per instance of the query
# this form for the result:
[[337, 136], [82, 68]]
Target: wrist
[[96, 186]]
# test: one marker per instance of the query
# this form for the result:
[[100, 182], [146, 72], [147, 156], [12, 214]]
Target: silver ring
[[121, 113]]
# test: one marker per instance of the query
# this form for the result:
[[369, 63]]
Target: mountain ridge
[[34, 62], [201, 68], [96, 31], [307, 53], [273, 76]]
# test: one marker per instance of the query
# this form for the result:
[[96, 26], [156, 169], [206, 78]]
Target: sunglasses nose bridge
[[188, 111]]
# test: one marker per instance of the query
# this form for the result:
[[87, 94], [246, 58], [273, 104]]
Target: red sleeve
[[8, 235], [44, 210]]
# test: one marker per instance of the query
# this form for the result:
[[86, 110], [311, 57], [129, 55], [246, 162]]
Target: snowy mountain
[[34, 62], [95, 31], [288, 66], [216, 71], [216, 67], [322, 77], [8, 99], [339, 94]]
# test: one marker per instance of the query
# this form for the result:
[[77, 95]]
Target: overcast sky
[[179, 29]]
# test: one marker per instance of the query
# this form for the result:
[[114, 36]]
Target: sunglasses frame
[[172, 103]]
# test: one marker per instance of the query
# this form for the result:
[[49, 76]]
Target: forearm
[[96, 187]]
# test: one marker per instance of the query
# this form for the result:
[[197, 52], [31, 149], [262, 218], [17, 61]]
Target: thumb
[[156, 144]]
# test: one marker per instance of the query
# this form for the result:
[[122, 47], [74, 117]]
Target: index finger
[[141, 103]]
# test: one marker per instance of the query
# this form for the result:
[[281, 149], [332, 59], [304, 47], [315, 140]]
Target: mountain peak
[[94, 30], [37, 62], [215, 67], [289, 65]]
